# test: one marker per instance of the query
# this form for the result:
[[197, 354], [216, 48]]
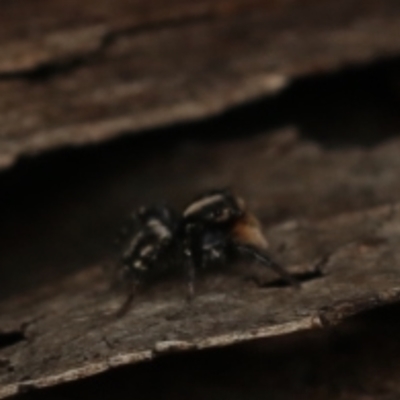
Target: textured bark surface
[[70, 334], [336, 227], [341, 363], [74, 73]]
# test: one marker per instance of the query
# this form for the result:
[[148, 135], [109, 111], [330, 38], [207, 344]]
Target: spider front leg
[[190, 271], [265, 259], [192, 259], [132, 288], [126, 305]]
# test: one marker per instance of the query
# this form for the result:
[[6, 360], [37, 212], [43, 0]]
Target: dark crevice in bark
[[320, 106], [11, 338], [359, 102], [300, 277]]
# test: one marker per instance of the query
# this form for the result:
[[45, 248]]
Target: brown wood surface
[[336, 227], [74, 72], [356, 360]]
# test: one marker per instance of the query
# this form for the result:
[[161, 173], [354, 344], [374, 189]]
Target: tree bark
[[348, 262], [73, 73]]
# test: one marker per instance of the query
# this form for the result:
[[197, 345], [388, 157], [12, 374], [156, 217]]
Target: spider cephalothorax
[[214, 229], [149, 236]]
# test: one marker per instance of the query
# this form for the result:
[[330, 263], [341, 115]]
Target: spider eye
[[221, 215]]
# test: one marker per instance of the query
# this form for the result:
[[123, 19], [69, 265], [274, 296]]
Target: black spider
[[215, 228]]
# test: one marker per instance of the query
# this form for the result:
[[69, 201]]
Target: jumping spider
[[214, 229]]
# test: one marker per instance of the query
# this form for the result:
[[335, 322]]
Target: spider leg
[[126, 305], [192, 259], [265, 259], [190, 270]]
